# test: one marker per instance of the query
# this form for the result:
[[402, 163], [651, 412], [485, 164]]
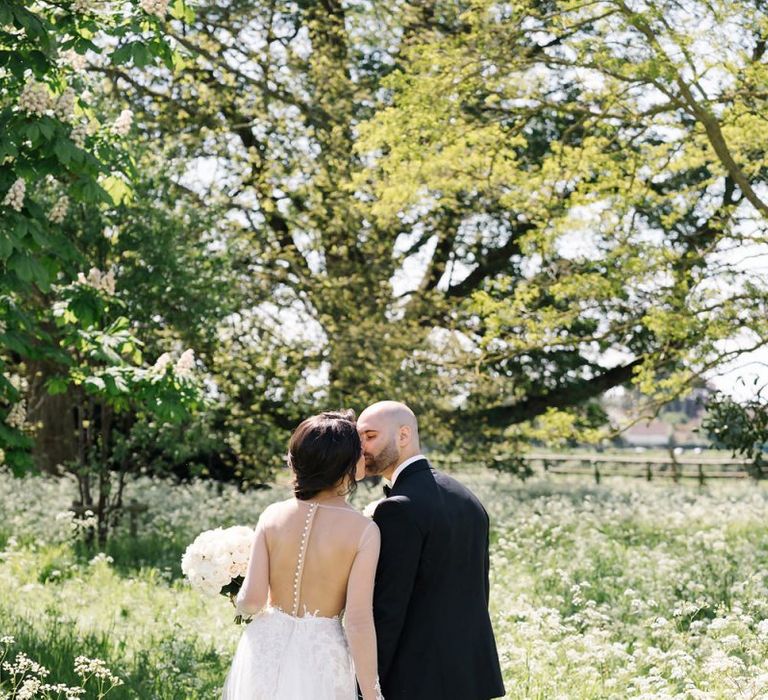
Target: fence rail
[[638, 466]]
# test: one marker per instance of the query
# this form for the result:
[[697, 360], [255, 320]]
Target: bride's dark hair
[[322, 450]]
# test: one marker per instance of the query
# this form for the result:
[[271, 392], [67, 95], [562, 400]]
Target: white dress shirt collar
[[402, 466]]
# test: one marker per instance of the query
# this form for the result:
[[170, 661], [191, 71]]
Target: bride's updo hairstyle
[[323, 450]]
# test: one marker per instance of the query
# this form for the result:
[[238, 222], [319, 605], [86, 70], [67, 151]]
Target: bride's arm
[[255, 589], [358, 616]]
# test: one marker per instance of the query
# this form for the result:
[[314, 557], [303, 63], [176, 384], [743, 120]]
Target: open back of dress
[[311, 563]]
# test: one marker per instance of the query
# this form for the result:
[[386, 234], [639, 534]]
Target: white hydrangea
[[154, 7], [59, 211], [122, 125], [14, 198], [216, 557], [35, 98]]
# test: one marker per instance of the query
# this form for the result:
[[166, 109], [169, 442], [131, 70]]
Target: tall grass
[[625, 590]]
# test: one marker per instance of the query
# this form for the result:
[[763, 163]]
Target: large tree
[[506, 208]]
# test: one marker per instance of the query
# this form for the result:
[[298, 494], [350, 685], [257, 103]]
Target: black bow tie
[[387, 490]]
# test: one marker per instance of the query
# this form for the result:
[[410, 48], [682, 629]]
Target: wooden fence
[[637, 466]]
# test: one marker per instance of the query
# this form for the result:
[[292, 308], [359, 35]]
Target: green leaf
[[6, 246], [57, 385], [122, 55], [118, 189], [141, 55]]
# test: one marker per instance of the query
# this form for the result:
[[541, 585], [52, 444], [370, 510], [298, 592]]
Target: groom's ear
[[405, 435]]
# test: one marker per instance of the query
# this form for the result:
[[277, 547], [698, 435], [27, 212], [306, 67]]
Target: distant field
[[625, 590]]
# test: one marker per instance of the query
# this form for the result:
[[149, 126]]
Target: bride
[[313, 562]]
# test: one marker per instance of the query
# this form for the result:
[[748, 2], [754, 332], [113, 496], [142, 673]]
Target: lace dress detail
[[288, 656]]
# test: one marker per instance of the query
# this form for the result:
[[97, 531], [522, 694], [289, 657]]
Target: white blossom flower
[[59, 211], [74, 60], [122, 125], [162, 362], [78, 134], [35, 98], [65, 105], [97, 279], [185, 364], [154, 7], [82, 6], [17, 416], [14, 198]]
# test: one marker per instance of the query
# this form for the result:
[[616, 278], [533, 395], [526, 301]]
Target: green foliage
[[739, 426], [58, 155]]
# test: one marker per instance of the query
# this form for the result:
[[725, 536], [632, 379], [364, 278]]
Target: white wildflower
[[14, 198], [59, 211], [86, 667], [101, 558], [35, 98], [122, 125]]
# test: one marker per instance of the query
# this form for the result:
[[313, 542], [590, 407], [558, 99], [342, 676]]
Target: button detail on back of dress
[[302, 555]]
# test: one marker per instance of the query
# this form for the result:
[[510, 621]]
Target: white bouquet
[[216, 562]]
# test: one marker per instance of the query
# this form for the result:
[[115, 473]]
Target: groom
[[434, 635]]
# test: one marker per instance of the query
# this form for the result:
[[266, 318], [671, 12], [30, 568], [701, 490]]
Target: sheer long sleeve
[[358, 617], [254, 592]]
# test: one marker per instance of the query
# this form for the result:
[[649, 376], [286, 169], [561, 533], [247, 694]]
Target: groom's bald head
[[389, 432]]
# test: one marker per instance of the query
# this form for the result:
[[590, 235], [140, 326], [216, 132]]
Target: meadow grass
[[623, 590]]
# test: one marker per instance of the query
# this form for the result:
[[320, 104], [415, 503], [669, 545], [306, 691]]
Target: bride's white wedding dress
[[312, 564]]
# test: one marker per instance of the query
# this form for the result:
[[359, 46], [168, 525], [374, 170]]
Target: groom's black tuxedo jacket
[[433, 630]]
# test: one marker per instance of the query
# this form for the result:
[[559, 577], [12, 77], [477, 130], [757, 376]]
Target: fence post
[[648, 471], [596, 467], [701, 474]]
